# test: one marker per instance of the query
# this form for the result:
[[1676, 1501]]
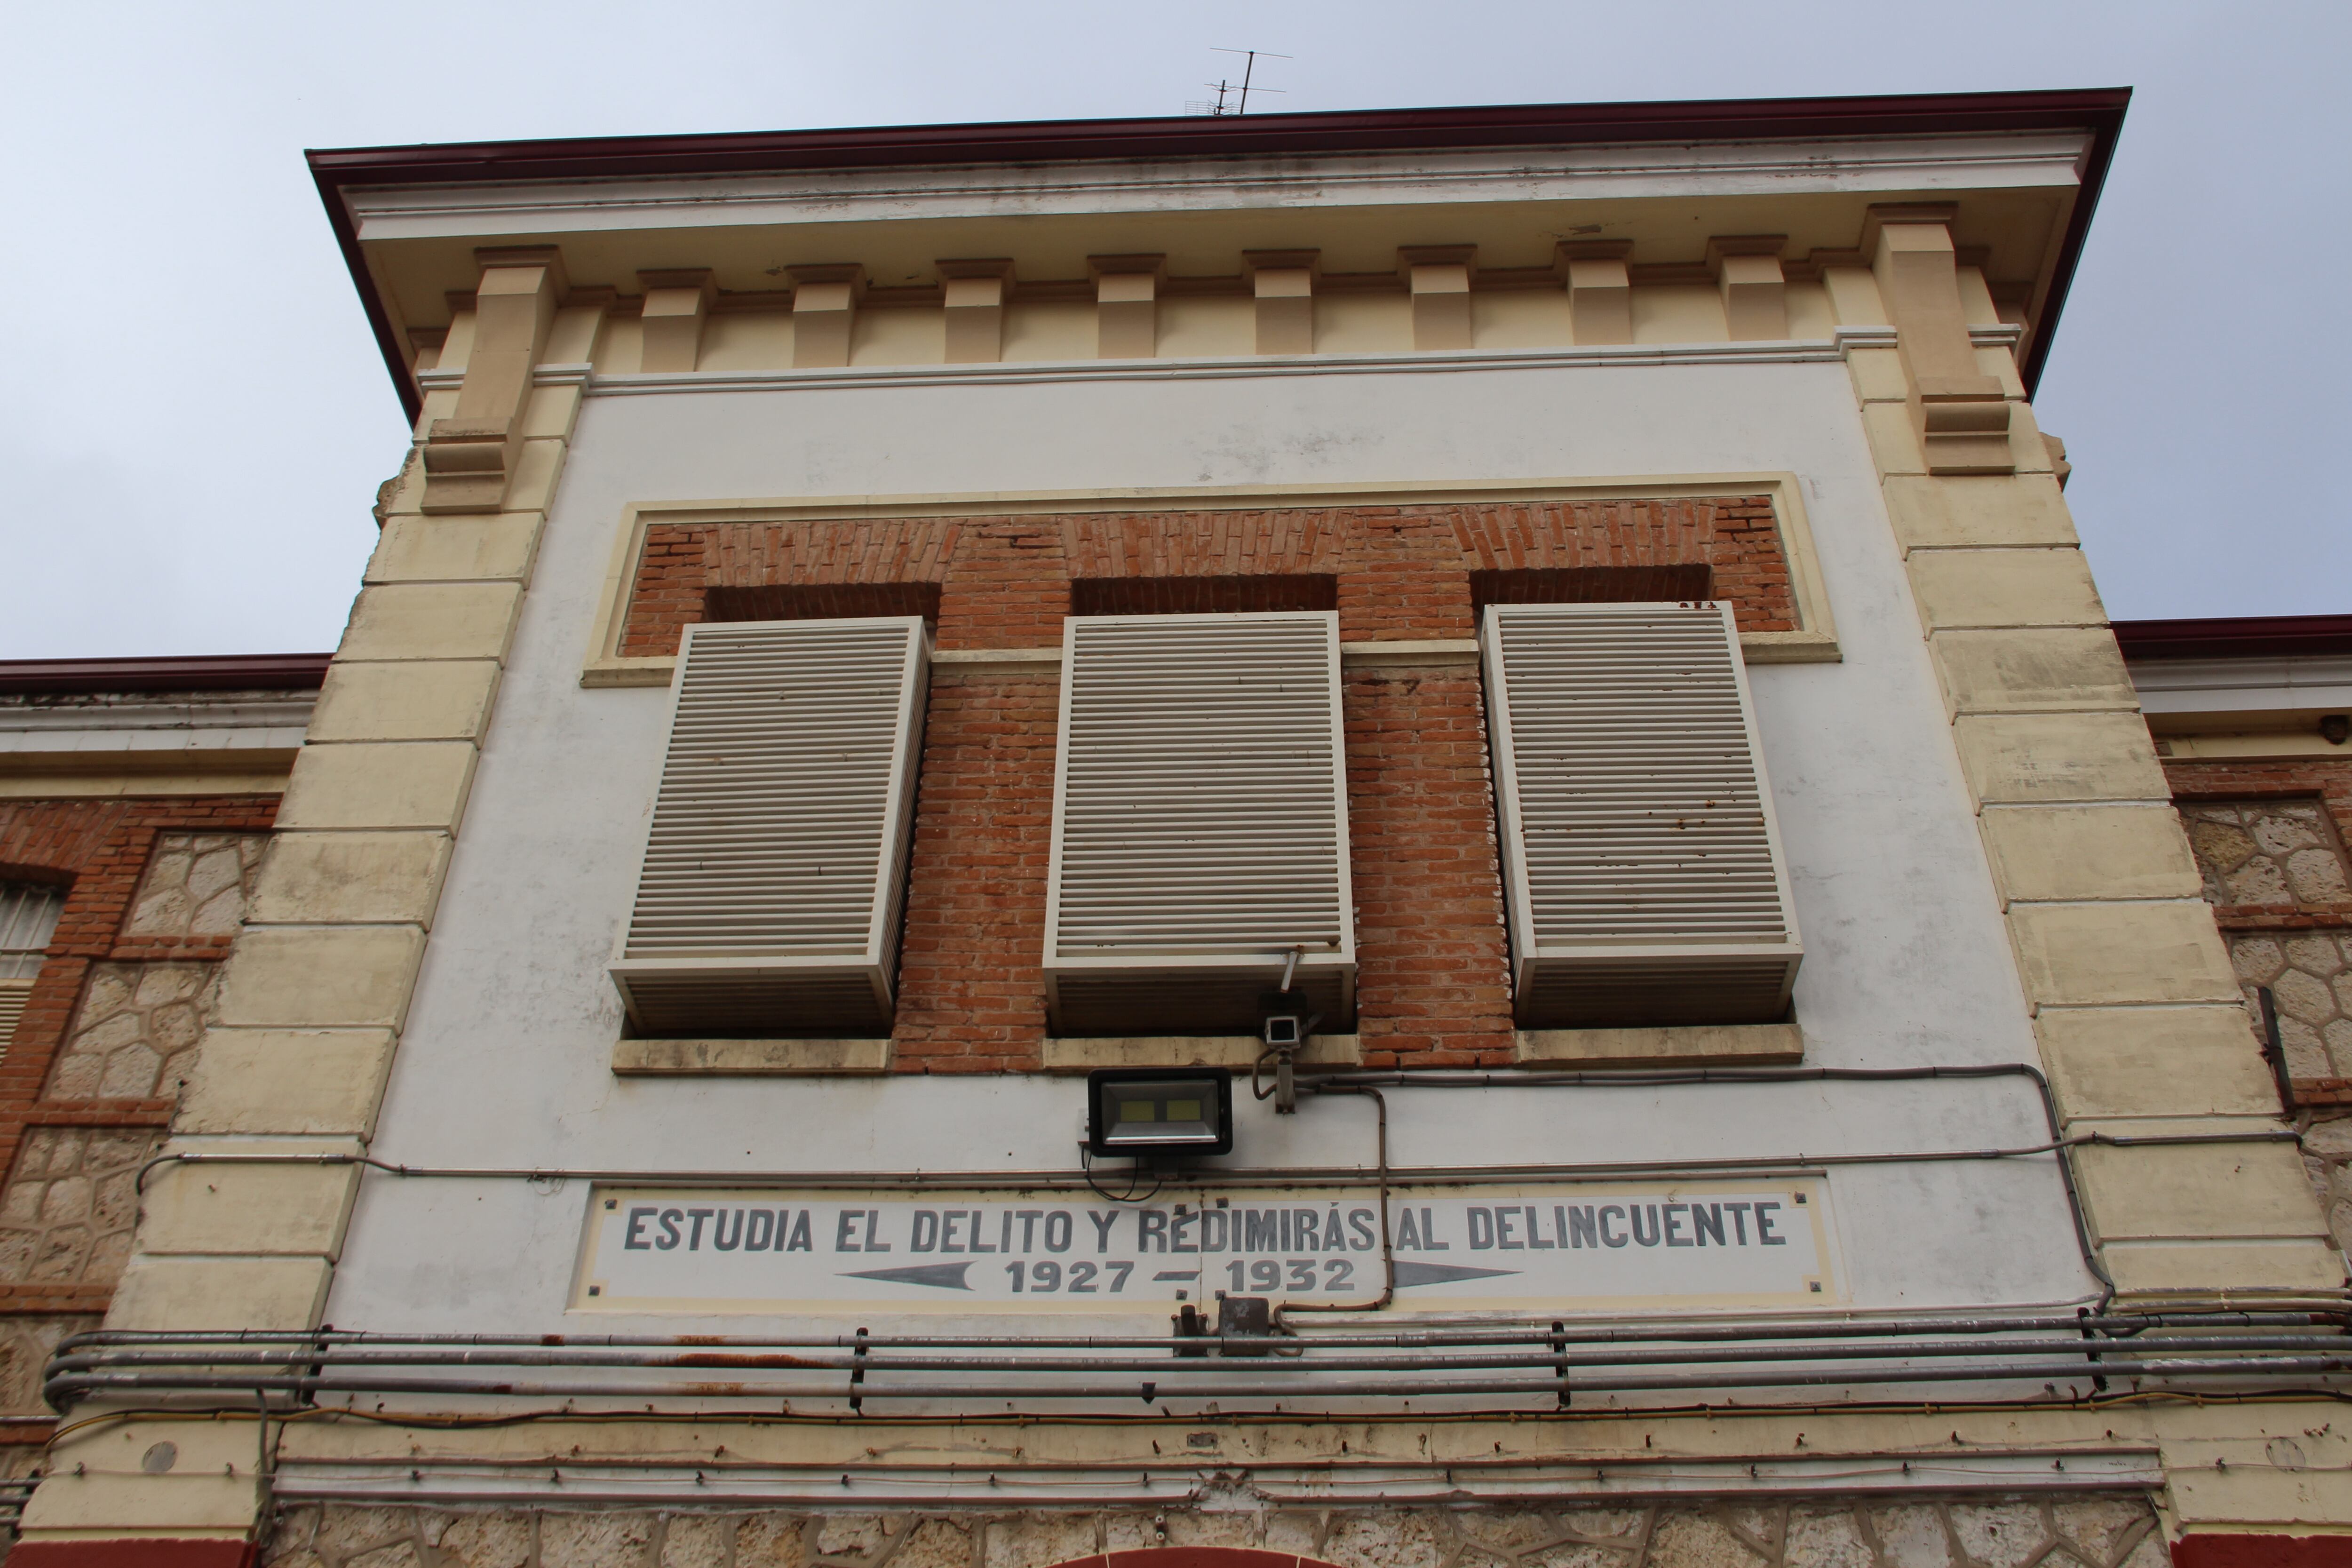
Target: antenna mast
[[1249, 69]]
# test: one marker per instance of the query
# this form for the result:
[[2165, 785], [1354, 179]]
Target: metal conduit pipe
[[2059, 1144], [882, 1361], [2267, 1371], [2334, 1314], [1638, 1077]]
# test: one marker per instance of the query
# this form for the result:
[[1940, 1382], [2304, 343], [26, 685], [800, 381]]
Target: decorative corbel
[[1599, 289], [976, 291], [677, 301], [1284, 284], [1960, 414], [470, 456], [824, 307], [1746, 268], [1439, 277], [1127, 304]]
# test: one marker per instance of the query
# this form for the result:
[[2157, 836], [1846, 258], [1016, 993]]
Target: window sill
[[1696, 1045], [661, 1058], [1234, 1052]]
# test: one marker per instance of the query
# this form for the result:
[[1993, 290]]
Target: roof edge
[[208, 672], [2098, 111], [2237, 637]]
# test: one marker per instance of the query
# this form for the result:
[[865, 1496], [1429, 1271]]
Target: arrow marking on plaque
[[940, 1276], [1409, 1274]]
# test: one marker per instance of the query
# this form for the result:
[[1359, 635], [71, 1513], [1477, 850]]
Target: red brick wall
[[1432, 986], [970, 990], [1403, 571], [99, 848]]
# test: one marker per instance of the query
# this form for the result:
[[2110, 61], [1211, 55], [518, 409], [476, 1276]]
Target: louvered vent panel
[[13, 994], [1642, 864], [28, 919], [1200, 822], [769, 897]]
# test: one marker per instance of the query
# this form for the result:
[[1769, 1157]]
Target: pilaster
[[471, 455], [2137, 1013], [316, 993]]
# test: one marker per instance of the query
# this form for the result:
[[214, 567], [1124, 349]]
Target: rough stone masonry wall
[[2270, 838], [157, 889], [2105, 1531]]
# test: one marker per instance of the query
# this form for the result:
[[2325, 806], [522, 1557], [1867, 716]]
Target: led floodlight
[[1142, 1111]]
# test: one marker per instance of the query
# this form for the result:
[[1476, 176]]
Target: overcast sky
[[193, 418]]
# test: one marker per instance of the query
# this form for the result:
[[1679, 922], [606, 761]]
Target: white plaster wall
[[506, 1059]]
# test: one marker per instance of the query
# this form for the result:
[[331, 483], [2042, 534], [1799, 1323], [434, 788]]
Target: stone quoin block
[[288, 1080], [2030, 671], [495, 546], [2010, 588], [255, 1210], [2073, 852], [1979, 512], [432, 621], [352, 878], [2185, 1060], [321, 977], [239, 1292], [406, 784], [2212, 1191], [2077, 954], [435, 700], [2028, 759]]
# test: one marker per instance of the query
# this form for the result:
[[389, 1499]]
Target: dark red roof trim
[[216, 672], [2099, 111], [2240, 637]]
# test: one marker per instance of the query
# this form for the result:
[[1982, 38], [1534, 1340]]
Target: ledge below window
[[1690, 1045], [655, 1059], [1235, 1052]]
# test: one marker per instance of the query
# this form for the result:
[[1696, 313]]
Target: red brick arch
[[1195, 1557]]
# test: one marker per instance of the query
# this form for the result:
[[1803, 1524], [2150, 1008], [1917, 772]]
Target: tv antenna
[[1240, 94]]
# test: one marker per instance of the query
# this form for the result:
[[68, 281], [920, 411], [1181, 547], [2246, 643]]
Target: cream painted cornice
[[132, 748], [2026, 160], [1866, 335], [783, 378], [2186, 695], [269, 723], [596, 384]]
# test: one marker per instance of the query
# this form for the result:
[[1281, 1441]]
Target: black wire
[[1134, 1175]]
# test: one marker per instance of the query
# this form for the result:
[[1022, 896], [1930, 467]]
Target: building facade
[[2251, 719], [135, 799], [1518, 680]]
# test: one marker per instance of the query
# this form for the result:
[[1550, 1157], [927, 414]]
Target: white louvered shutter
[[1200, 823], [1642, 864], [768, 901], [28, 919]]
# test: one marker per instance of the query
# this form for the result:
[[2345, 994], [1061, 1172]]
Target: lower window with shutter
[[1642, 866], [1200, 842], [769, 897], [28, 919]]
